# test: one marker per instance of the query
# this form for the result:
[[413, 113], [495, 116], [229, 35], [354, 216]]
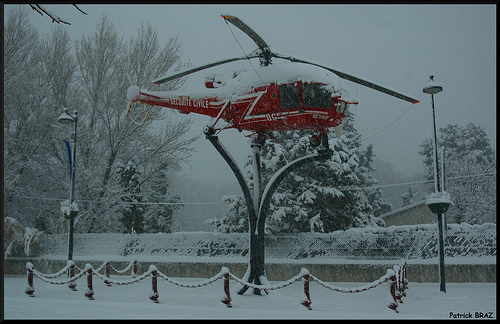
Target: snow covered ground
[[423, 300]]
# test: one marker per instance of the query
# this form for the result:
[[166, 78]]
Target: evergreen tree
[[159, 214], [469, 159], [407, 197], [236, 221], [318, 197], [132, 213]]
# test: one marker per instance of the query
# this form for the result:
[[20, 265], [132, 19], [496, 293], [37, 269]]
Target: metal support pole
[[72, 213], [70, 235], [65, 118], [442, 275], [433, 88], [256, 266], [437, 184], [437, 187], [258, 205], [256, 145]]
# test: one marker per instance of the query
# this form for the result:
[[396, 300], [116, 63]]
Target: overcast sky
[[396, 45]]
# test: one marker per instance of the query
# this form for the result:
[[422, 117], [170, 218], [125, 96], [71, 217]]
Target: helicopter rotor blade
[[201, 67], [353, 78], [246, 29]]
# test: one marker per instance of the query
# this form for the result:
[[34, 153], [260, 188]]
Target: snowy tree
[[59, 66], [145, 58], [132, 210], [43, 75], [316, 197], [386, 174], [407, 197], [470, 159], [160, 212], [236, 221], [33, 157], [105, 64]]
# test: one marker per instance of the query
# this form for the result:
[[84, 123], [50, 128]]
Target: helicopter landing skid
[[320, 139]]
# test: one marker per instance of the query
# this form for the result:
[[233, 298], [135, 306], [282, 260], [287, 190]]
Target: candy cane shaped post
[[30, 289], [393, 301], [107, 272], [90, 290], [154, 282], [404, 280], [71, 284], [307, 301], [133, 273], [399, 288], [396, 278], [226, 300]]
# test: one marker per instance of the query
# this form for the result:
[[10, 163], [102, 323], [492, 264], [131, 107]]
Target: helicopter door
[[289, 96]]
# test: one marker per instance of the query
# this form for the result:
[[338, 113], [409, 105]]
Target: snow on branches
[[313, 198]]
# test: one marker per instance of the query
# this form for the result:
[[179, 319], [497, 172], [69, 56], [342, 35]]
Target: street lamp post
[[72, 211], [438, 208]]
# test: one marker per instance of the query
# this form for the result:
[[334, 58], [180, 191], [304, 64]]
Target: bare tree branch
[[55, 18], [83, 12]]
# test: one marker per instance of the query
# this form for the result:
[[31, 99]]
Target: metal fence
[[393, 243]]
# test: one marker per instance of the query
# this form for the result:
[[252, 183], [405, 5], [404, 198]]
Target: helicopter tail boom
[[183, 102]]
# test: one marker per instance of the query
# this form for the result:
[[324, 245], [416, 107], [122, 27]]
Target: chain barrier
[[396, 277]]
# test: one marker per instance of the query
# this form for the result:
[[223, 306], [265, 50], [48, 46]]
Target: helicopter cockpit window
[[316, 96], [289, 94], [342, 107]]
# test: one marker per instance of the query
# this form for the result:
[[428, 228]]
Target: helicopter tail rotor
[[133, 95]]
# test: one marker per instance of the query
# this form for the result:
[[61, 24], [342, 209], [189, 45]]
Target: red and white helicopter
[[264, 98]]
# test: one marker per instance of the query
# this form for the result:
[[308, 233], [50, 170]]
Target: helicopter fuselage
[[263, 109], [274, 98]]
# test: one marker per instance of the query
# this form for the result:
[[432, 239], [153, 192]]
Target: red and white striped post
[[90, 290], [399, 287], [154, 282], [30, 289], [227, 300], [307, 301], [393, 282], [404, 280], [134, 269], [107, 272], [72, 284]]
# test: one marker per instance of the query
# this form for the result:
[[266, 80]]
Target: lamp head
[[66, 118], [431, 87]]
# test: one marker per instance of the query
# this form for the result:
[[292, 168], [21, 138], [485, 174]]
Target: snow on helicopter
[[266, 98]]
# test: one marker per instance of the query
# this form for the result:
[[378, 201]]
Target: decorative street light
[[432, 88], [72, 210], [438, 204]]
